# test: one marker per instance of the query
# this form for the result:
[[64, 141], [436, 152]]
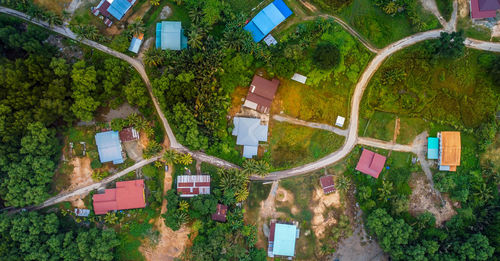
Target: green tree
[[326, 56], [257, 167], [84, 87], [449, 45], [169, 156]]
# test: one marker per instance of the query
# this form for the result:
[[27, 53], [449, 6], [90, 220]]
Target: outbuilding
[[170, 36]]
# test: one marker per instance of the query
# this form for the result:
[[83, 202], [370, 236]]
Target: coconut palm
[[154, 2], [194, 39], [184, 159], [136, 27], [483, 192], [154, 57], [196, 14], [343, 183], [385, 191], [257, 167], [183, 206], [169, 157], [111, 218], [242, 194]]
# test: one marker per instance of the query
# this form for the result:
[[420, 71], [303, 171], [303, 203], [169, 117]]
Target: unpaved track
[[321, 126]]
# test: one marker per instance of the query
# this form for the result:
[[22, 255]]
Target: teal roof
[[432, 148], [284, 240], [135, 45], [118, 8], [169, 35]]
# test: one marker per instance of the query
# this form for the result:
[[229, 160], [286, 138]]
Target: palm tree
[[111, 218], [184, 159], [196, 14], [136, 27], [154, 2], [154, 57], [169, 157], [242, 194], [195, 38], [343, 183], [52, 18], [258, 167], [183, 206], [364, 192], [483, 193], [385, 191]]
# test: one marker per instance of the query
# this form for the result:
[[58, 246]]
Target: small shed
[[129, 134], [269, 40], [432, 148], [328, 184], [136, 43], [109, 147], [340, 121], [220, 214], [371, 163], [82, 212], [299, 78]]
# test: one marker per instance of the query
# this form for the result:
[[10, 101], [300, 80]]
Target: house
[[109, 147], [126, 195], [129, 134], [136, 43], [267, 19], [170, 36], [282, 239], [480, 9], [112, 8], [261, 94], [371, 163], [220, 214], [449, 150], [193, 185], [328, 184], [249, 132], [432, 148]]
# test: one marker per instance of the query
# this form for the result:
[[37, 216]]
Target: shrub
[[326, 56], [95, 164]]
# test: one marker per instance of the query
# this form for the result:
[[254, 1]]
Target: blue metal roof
[[118, 8], [267, 19], [284, 240], [169, 35], [432, 148], [135, 45], [109, 147]]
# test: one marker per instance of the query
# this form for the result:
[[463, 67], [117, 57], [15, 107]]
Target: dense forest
[[42, 92]]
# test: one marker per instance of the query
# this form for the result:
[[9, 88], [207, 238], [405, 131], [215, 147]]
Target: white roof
[[299, 78], [340, 121]]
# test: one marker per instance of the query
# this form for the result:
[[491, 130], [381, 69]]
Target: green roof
[[284, 240]]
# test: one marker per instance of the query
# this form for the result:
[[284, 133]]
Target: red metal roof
[[327, 184], [371, 163], [192, 185], [220, 213], [262, 92], [129, 134], [126, 195], [483, 11]]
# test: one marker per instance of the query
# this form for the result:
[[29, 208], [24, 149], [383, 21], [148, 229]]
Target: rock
[[165, 12]]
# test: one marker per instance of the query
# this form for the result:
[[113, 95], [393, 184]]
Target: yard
[[292, 145], [54, 5]]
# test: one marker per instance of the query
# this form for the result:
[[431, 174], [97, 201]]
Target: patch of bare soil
[[82, 173], [171, 243], [463, 8], [309, 6], [422, 199], [121, 112], [495, 31], [397, 126], [140, 13], [283, 195], [54, 5], [77, 201], [113, 30], [319, 222], [143, 139]]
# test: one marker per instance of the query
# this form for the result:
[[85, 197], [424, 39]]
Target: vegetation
[[34, 236], [445, 8], [326, 56], [449, 45]]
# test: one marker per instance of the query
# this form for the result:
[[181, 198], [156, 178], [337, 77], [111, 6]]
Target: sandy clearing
[[422, 199], [319, 222], [82, 173], [140, 13], [463, 8], [171, 244]]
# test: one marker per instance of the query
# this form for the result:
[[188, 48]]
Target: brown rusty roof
[[262, 92], [451, 148]]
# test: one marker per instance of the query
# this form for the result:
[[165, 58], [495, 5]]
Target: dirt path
[[431, 6], [81, 175], [397, 126], [321, 126], [171, 243]]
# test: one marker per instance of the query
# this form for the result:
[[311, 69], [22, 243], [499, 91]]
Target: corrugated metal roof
[[267, 19], [284, 240], [371, 163], [432, 148], [126, 195], [192, 185], [118, 8], [109, 147], [135, 45], [450, 148], [169, 35], [249, 131]]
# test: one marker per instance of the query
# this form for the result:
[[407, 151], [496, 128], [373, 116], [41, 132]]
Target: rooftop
[[109, 147], [327, 184], [193, 185], [371, 163], [267, 19], [170, 36], [450, 148], [127, 195], [432, 148], [249, 132], [285, 236], [220, 213], [136, 43], [261, 94], [484, 8], [129, 134]]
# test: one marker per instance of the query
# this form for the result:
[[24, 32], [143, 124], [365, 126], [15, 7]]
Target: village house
[[481, 9], [170, 36], [126, 195], [267, 19], [261, 94], [371, 163], [249, 132], [193, 185], [112, 8], [282, 238], [109, 147], [327, 183]]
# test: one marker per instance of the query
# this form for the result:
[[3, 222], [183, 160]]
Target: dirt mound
[[422, 199], [319, 222], [283, 195]]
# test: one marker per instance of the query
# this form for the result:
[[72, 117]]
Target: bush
[[326, 56], [95, 164]]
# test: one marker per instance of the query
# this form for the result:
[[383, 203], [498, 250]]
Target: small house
[[126, 195], [299, 78], [193, 185], [327, 184], [170, 36], [129, 134], [282, 238], [449, 150], [220, 214], [249, 132], [261, 94], [109, 147], [267, 19], [136, 43], [112, 8], [371, 163]]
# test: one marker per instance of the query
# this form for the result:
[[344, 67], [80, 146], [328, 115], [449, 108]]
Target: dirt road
[[321, 126]]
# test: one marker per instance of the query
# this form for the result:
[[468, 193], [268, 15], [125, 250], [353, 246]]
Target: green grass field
[[474, 31], [410, 128], [378, 27], [380, 126], [292, 145], [445, 8]]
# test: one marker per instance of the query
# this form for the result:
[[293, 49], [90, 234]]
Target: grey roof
[[489, 5], [249, 132]]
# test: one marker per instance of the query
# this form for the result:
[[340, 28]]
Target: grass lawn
[[152, 17], [56, 6], [379, 27], [410, 128], [445, 8], [459, 93], [380, 126], [473, 31], [328, 92], [292, 145]]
